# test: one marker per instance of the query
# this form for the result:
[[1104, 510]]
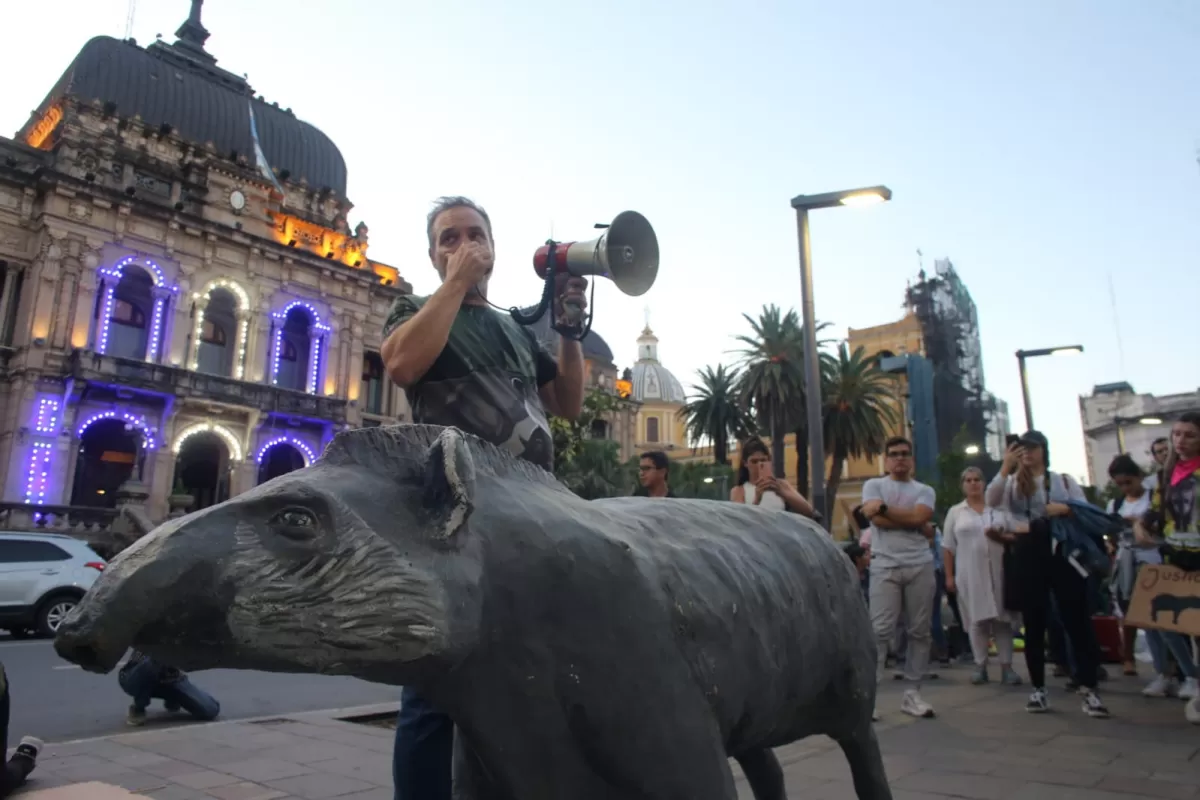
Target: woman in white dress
[[758, 486], [975, 571]]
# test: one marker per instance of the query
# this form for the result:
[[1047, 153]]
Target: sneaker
[[1161, 686], [1191, 712], [29, 748], [914, 706], [1009, 677], [980, 676], [1038, 702], [1189, 690], [136, 716], [874, 715], [1094, 707]]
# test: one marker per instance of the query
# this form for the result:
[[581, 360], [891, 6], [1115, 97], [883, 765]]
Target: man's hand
[[469, 265], [927, 531], [871, 508], [568, 291], [951, 586]]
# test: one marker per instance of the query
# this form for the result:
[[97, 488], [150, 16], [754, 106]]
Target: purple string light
[[304, 449], [39, 473], [46, 419], [314, 366], [315, 359], [138, 422], [114, 274]]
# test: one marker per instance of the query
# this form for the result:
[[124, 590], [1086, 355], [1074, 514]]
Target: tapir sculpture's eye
[[295, 523]]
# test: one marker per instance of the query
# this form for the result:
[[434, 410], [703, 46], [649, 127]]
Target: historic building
[[1117, 419], [660, 423], [185, 310]]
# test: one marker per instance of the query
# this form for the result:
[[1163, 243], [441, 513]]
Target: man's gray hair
[[457, 201]]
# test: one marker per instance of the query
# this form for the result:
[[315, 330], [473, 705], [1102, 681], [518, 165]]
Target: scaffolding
[[950, 331]]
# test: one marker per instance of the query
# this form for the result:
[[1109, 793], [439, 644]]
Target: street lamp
[[1119, 421], [972, 450], [724, 482], [1069, 350], [804, 203]]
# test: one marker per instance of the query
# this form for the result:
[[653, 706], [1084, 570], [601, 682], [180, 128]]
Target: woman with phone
[[1031, 495], [758, 486]]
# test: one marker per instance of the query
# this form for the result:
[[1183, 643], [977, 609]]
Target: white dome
[[652, 382]]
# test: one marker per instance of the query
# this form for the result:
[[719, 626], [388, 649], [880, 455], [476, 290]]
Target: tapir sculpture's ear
[[449, 483]]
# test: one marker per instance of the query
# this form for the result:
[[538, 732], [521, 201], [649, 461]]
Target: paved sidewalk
[[982, 745]]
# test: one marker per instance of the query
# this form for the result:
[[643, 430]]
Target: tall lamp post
[[1022, 355], [1119, 423], [812, 367]]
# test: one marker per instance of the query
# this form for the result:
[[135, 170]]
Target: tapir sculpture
[[615, 649]]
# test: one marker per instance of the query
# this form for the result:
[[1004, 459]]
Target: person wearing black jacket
[[1031, 495]]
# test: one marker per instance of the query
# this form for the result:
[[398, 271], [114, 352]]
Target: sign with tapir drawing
[[1166, 599]]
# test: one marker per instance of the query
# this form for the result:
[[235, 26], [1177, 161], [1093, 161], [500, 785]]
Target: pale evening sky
[[1041, 145]]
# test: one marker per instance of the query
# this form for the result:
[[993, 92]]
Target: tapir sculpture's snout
[[143, 596]]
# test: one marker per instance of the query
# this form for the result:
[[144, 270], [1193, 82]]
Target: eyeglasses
[[900, 454]]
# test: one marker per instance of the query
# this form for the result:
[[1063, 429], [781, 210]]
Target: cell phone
[[1011, 439]]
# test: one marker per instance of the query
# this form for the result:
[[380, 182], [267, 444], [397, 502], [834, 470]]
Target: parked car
[[42, 578]]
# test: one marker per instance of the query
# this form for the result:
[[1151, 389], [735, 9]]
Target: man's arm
[[415, 338], [915, 517], [563, 395]]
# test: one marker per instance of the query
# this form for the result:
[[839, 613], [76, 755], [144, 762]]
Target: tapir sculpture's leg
[[866, 763], [763, 773]]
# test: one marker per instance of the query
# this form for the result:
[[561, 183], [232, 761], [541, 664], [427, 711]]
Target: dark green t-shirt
[[485, 381]]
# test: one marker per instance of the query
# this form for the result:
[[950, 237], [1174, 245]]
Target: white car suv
[[42, 577]]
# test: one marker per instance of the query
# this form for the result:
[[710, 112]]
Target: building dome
[[180, 85], [652, 382]]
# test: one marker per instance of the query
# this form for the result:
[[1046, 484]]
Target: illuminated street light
[[871, 195], [972, 450], [1022, 355], [1119, 423]]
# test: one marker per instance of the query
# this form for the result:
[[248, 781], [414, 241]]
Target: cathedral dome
[[652, 382]]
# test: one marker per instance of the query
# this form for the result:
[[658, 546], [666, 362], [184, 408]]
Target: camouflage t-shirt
[[485, 381]]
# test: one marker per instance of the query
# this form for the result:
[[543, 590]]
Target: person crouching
[[146, 680]]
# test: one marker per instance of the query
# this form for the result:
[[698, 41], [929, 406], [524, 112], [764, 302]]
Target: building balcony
[[159, 379]]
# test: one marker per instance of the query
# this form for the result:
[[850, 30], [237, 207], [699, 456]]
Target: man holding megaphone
[[466, 364]]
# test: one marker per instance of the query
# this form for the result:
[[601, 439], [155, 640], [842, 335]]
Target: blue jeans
[[424, 750], [142, 684], [1160, 642]]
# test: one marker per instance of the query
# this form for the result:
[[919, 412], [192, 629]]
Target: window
[[289, 351], [212, 333], [652, 429], [19, 551], [599, 429], [126, 313], [372, 379]]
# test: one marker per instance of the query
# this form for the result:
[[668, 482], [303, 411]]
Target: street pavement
[[981, 746], [56, 701]]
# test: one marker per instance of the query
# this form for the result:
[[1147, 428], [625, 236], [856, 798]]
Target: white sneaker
[[1161, 686], [914, 706], [1191, 712], [1188, 690]]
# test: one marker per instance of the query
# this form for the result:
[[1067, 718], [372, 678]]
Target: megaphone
[[626, 253]]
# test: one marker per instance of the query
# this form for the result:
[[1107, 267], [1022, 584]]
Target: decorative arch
[[163, 292], [231, 441], [318, 343], [242, 297], [305, 450], [139, 422]]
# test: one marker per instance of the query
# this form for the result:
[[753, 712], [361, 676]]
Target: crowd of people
[[1025, 556]]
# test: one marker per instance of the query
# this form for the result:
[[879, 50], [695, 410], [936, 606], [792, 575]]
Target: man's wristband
[[883, 509]]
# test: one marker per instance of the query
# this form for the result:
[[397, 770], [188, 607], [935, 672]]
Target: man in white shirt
[[902, 574], [1159, 449]]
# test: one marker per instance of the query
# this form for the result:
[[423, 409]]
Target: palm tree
[[858, 409], [772, 383], [715, 413]]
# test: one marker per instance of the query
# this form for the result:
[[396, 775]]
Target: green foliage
[[569, 435], [715, 413], [857, 397], [699, 480], [947, 482]]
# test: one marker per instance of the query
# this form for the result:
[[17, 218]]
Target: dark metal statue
[[603, 650]]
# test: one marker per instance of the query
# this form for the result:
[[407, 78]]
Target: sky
[[1048, 149]]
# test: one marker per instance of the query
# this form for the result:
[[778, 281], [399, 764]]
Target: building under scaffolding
[[950, 334]]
